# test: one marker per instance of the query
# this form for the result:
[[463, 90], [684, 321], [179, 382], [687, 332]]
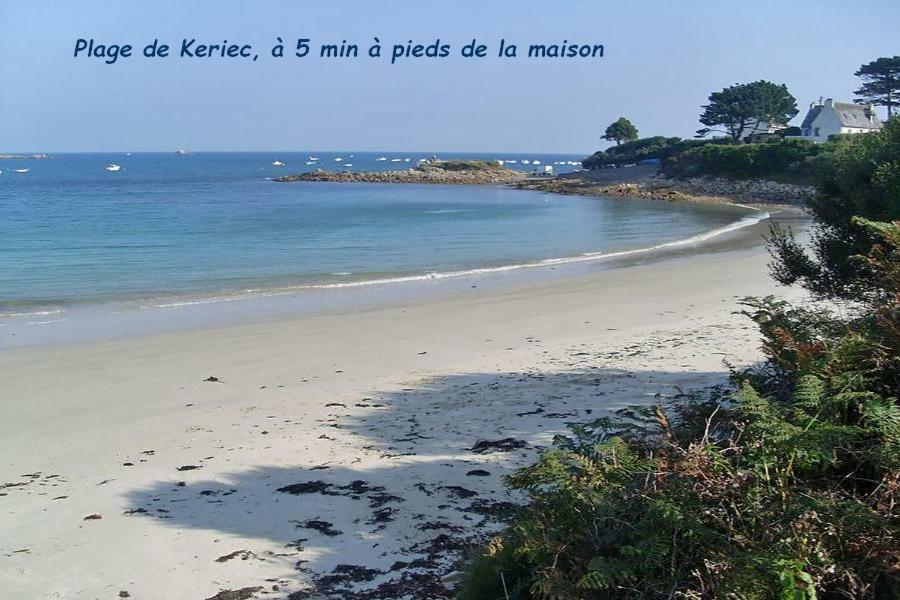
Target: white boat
[[396, 160], [277, 163], [406, 159], [348, 165], [381, 158], [313, 158], [535, 162], [113, 167], [338, 159], [512, 162], [526, 162], [21, 170], [180, 152], [310, 162]]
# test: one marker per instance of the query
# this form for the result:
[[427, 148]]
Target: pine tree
[[881, 83]]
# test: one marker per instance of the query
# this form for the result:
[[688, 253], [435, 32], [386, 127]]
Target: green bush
[[859, 176], [772, 159], [462, 165], [657, 147]]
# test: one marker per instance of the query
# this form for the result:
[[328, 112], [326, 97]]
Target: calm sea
[[169, 229]]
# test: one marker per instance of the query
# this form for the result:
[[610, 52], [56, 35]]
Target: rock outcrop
[[748, 191], [438, 172]]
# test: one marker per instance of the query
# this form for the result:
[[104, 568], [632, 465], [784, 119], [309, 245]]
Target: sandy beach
[[348, 453]]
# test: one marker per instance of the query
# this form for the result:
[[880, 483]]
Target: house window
[[816, 132]]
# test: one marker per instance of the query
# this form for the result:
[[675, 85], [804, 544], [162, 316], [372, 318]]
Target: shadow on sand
[[416, 494]]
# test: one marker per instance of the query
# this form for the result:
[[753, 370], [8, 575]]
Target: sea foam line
[[37, 313], [586, 257]]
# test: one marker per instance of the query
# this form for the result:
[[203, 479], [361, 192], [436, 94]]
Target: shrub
[[657, 147], [859, 176], [462, 165], [772, 159]]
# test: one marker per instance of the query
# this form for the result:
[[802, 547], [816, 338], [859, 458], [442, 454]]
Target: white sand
[[416, 386]]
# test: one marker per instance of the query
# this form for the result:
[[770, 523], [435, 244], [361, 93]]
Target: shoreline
[[642, 182], [48, 326], [752, 192], [356, 448], [336, 449], [16, 321]]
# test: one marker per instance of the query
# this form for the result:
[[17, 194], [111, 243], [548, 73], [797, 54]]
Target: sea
[[87, 250]]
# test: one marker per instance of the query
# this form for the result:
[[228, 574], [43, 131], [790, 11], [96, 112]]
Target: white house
[[830, 118]]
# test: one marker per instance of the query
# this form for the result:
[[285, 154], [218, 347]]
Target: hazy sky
[[663, 58]]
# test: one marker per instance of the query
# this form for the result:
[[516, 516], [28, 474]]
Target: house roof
[[811, 116], [856, 115]]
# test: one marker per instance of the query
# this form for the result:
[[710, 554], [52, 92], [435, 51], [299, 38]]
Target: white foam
[[547, 262], [44, 322], [37, 313]]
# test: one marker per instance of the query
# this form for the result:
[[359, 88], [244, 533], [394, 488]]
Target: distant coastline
[[637, 182], [435, 172], [650, 186], [23, 156]]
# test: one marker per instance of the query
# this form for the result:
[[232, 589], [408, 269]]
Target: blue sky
[[663, 58]]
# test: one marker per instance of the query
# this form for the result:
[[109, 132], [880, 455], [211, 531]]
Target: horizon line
[[331, 151]]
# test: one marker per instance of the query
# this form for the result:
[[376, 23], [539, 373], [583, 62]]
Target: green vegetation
[[738, 111], [788, 160], [621, 130], [643, 149], [858, 177], [881, 83], [787, 484], [743, 107], [462, 165]]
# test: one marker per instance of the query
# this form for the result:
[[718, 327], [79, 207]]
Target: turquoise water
[[169, 229]]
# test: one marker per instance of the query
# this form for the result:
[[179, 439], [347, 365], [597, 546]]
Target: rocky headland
[[21, 156], [437, 172], [620, 183], [658, 187]]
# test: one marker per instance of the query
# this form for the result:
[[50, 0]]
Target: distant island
[[21, 156], [433, 171], [640, 181]]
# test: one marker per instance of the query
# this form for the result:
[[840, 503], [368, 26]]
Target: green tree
[[859, 178], [881, 83], [621, 130], [743, 107]]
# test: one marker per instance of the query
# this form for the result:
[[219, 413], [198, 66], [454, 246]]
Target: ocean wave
[[44, 322], [36, 313], [435, 275]]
